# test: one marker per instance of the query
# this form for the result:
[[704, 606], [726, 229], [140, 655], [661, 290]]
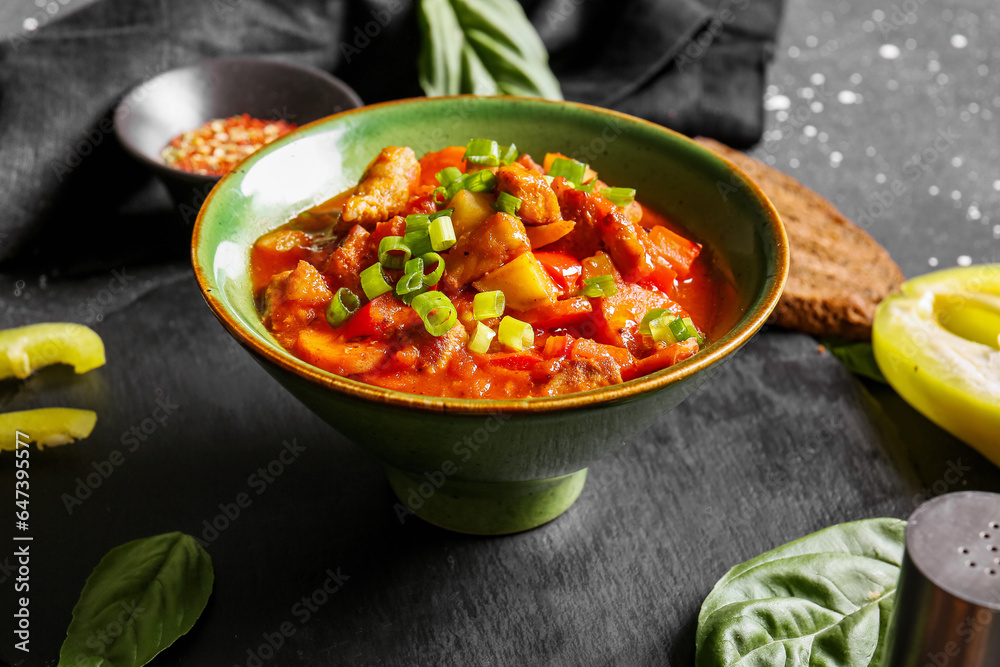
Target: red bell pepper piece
[[564, 269], [379, 317]]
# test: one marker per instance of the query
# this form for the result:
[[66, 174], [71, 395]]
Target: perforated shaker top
[[954, 540]]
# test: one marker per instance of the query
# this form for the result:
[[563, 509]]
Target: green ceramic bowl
[[488, 466]]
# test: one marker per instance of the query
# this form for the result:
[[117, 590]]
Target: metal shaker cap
[[949, 587]]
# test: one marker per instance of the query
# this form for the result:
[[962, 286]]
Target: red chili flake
[[219, 145]]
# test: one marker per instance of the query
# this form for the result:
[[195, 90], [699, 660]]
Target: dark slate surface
[[780, 443]]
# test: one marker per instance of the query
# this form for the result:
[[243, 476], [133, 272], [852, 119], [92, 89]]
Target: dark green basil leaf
[[139, 599], [485, 47], [858, 358], [825, 599]]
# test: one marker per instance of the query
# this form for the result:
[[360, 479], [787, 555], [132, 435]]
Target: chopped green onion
[[587, 187], [507, 203], [480, 181], [447, 175], [343, 304], [661, 331], [620, 197], [442, 233], [410, 282], [481, 338], [436, 311], [440, 195], [427, 259], [483, 151], [683, 328], [652, 314], [679, 328], [508, 154], [419, 242], [410, 296], [373, 281], [442, 213], [415, 265], [393, 252], [571, 170], [488, 304], [515, 334], [417, 221], [603, 285]]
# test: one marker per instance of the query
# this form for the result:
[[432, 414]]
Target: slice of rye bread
[[838, 272]]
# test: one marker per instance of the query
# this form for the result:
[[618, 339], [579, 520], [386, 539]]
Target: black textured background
[[782, 442]]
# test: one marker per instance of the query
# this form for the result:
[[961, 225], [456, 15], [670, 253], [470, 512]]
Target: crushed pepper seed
[[219, 145]]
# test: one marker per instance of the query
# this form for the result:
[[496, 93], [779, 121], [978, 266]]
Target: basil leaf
[[825, 599], [858, 358], [484, 47], [139, 599]]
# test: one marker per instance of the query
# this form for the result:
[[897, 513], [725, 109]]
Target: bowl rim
[[142, 156], [751, 321]]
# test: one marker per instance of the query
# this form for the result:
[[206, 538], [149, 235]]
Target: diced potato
[[486, 248], [471, 210], [599, 265], [542, 235], [523, 281]]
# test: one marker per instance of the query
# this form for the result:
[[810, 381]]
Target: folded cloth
[[69, 195]]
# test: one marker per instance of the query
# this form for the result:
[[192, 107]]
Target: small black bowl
[[156, 111]]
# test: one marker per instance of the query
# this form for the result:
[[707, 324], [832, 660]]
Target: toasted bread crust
[[838, 272]]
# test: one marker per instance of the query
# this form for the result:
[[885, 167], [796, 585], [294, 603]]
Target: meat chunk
[[601, 224], [539, 205], [581, 374], [294, 299], [385, 187], [437, 351], [525, 161], [346, 262], [486, 248]]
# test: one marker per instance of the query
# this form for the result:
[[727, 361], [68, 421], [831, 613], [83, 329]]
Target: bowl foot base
[[484, 508]]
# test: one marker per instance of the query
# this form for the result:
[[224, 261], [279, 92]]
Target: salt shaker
[[949, 587]]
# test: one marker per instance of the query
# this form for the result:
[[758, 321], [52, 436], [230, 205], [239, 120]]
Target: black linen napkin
[[70, 198]]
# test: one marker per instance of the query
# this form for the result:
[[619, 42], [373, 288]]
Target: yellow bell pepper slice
[[26, 349], [938, 345], [47, 427]]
